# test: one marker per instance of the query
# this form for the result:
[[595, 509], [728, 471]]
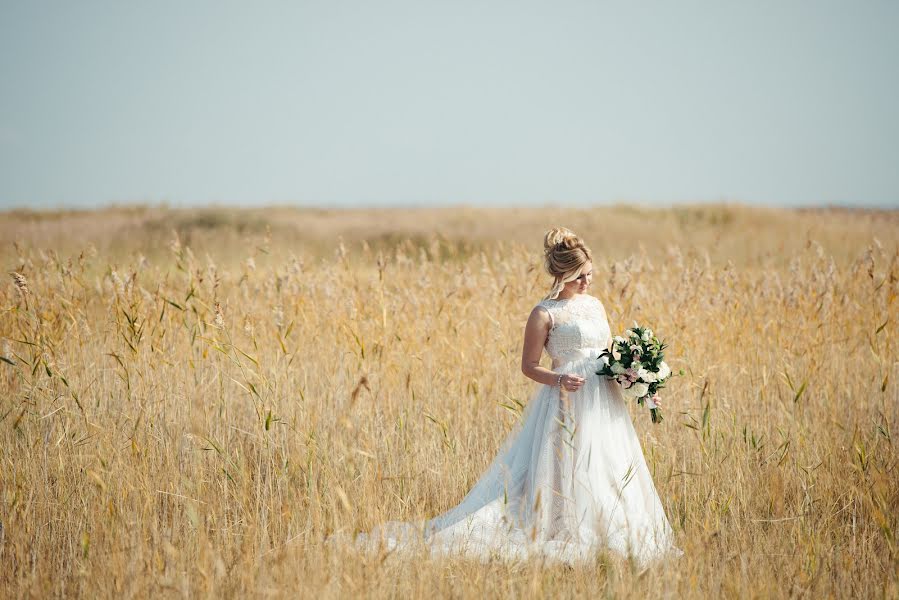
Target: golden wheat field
[[363, 366]]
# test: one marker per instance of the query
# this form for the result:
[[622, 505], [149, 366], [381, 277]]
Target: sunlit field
[[192, 400]]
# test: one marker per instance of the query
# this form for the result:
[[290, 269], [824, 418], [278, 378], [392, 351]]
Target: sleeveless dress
[[569, 481]]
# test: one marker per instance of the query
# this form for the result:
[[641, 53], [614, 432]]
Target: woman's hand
[[571, 383]]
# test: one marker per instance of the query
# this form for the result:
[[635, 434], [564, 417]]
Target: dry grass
[[192, 418]]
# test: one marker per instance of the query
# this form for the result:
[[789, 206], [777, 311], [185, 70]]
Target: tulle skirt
[[569, 481]]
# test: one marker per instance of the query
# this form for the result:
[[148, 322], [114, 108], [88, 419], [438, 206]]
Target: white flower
[[640, 389], [604, 359], [617, 368], [619, 339], [642, 373], [650, 377], [628, 333], [664, 370], [647, 335]]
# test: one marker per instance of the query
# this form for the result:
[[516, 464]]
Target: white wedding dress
[[570, 480]]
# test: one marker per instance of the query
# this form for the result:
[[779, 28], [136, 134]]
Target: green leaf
[[175, 304], [511, 408], [801, 389], [255, 362], [213, 444]]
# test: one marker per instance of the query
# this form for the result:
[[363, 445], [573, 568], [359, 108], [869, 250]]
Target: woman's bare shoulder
[[541, 317], [540, 311]]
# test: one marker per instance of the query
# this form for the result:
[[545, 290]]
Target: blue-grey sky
[[475, 102]]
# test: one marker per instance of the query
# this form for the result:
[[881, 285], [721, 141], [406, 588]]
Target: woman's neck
[[561, 295]]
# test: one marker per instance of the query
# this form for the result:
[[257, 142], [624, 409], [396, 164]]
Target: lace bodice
[[579, 328]]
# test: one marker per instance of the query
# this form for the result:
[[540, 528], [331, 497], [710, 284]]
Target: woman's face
[[580, 285]]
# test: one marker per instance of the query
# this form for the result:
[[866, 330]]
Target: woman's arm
[[535, 333]]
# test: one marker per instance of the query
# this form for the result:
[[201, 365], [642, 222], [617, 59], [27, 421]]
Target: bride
[[571, 479]]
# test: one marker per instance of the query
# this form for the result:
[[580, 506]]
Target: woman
[[571, 480]]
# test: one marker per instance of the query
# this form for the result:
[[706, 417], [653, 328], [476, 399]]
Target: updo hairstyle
[[564, 256]]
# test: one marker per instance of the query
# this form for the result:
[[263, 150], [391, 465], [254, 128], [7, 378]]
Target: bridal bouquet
[[637, 363]]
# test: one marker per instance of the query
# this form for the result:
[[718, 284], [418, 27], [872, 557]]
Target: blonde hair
[[565, 254]]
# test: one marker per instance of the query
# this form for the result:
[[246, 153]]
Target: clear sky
[[380, 102]]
